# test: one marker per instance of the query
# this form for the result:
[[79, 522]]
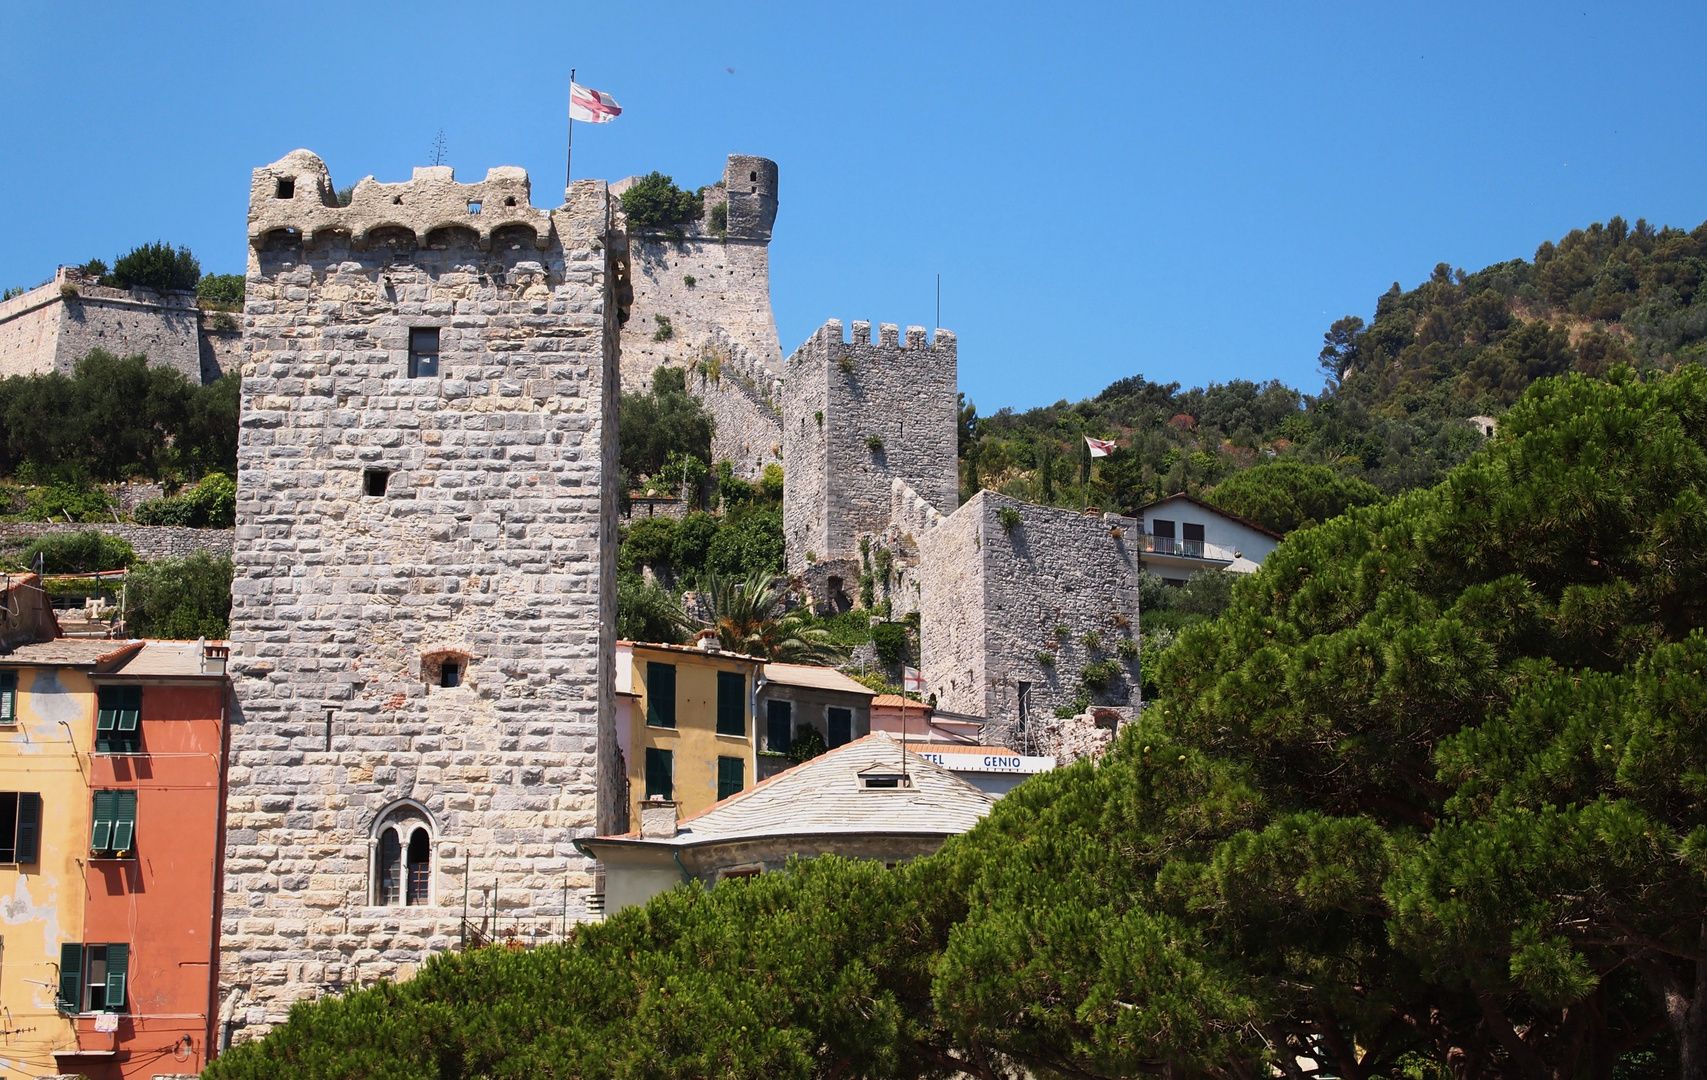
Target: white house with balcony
[[1183, 535]]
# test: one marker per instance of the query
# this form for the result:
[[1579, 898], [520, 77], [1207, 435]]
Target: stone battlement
[[295, 195]]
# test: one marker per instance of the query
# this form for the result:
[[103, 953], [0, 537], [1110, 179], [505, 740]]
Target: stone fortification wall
[[721, 326], [856, 417], [53, 326], [490, 551], [993, 597], [150, 541]]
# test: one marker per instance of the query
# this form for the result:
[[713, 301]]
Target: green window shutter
[[118, 969], [29, 827], [660, 695], [731, 703], [130, 708], [779, 726], [731, 777], [660, 773], [71, 977], [108, 702], [9, 697], [101, 838], [124, 820], [841, 727]]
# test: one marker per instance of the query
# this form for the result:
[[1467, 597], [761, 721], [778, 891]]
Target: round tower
[[751, 184]]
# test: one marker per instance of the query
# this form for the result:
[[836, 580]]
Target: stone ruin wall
[[47, 329], [149, 541], [1055, 567], [840, 394], [492, 541], [722, 329]]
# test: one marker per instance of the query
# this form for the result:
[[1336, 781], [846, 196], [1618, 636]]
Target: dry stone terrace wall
[[149, 541], [993, 596], [490, 547], [721, 325], [839, 397]]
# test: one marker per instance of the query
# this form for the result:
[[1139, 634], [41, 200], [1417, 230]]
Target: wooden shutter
[[660, 695], [118, 969], [731, 777], [130, 708], [779, 726], [107, 713], [841, 727], [101, 837], [8, 697], [124, 820], [660, 769], [71, 977], [29, 827], [731, 703]]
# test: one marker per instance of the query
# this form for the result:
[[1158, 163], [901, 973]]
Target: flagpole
[[569, 156]]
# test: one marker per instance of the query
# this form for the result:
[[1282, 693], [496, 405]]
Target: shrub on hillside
[[81, 552], [890, 640], [180, 598], [67, 502], [211, 504], [155, 266], [221, 290]]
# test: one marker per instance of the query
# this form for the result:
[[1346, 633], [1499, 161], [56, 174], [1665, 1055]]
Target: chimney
[[658, 819], [706, 641], [214, 658]]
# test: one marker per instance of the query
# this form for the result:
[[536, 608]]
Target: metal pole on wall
[[464, 899], [569, 156]]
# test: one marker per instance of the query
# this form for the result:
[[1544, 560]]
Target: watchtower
[[856, 417], [423, 611]]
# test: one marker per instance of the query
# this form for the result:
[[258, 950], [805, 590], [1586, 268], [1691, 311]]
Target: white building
[[1183, 535]]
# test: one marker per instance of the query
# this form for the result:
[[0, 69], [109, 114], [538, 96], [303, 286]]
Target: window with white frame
[[403, 858]]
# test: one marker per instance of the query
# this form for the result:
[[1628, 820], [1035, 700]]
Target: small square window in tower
[[450, 673], [286, 188], [424, 353], [374, 481]]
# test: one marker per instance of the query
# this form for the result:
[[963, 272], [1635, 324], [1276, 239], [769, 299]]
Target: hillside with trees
[[1424, 802]]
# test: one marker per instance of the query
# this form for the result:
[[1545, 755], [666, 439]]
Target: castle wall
[[721, 326], [1052, 568], [49, 328], [149, 541], [838, 397], [492, 546]]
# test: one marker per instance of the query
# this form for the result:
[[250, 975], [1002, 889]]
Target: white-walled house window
[[403, 858]]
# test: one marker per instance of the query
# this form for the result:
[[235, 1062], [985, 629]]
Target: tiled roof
[[815, 677], [694, 649], [100, 653], [824, 796], [1210, 508], [169, 658]]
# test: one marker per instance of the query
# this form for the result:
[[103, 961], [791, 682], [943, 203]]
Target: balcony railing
[[1189, 549]]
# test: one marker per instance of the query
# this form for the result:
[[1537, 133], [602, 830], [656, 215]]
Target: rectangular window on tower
[[424, 353]]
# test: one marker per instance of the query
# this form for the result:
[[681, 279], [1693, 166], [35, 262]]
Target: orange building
[[135, 931]]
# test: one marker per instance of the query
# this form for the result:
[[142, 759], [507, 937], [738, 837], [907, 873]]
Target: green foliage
[[1099, 675], [662, 421], [750, 616], [212, 504], [1061, 631], [720, 219], [770, 482], [1045, 658], [115, 418], [82, 552], [688, 280], [890, 640], [648, 612], [749, 541], [180, 598], [12, 291], [656, 201], [1010, 519], [68, 502], [874, 444], [1092, 641], [155, 266], [1127, 649], [807, 744], [665, 331], [1288, 494], [221, 291]]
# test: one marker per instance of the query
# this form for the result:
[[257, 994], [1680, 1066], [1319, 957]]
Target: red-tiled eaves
[[1213, 509], [695, 650], [116, 658]]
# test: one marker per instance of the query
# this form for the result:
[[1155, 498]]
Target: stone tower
[[710, 286], [857, 417], [424, 601]]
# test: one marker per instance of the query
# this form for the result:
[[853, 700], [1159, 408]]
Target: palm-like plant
[[749, 618]]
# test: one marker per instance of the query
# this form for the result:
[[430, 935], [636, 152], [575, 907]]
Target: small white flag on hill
[[592, 106], [1101, 447], [912, 679]]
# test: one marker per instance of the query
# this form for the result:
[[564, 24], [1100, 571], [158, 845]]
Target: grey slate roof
[[824, 796]]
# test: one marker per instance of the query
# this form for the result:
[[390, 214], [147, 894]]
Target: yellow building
[[685, 723], [47, 731]]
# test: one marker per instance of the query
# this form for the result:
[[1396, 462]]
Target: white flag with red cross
[[912, 679], [592, 106], [1101, 447]]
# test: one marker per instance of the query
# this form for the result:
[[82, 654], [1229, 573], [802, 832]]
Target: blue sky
[[1190, 192]]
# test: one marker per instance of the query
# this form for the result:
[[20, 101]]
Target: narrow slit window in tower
[[424, 353], [374, 480], [450, 673]]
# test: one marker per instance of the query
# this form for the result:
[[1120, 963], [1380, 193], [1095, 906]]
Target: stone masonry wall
[[150, 541], [492, 545], [721, 325], [837, 398], [1053, 568]]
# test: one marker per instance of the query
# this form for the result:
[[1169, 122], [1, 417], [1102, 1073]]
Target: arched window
[[403, 857]]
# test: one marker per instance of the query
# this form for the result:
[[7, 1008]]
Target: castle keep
[[422, 620]]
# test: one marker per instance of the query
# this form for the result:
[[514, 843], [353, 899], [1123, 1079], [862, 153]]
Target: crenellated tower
[[423, 610]]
